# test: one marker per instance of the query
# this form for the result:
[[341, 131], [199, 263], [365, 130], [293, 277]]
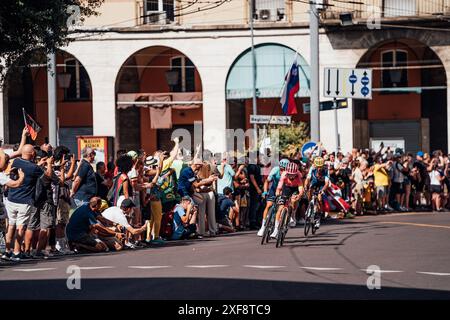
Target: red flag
[[32, 126]]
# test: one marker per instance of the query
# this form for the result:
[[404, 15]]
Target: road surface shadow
[[205, 289]]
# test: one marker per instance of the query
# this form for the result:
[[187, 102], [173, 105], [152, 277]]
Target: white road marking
[[36, 269], [208, 266], [148, 267], [321, 269], [264, 267], [95, 268], [434, 273], [381, 271]]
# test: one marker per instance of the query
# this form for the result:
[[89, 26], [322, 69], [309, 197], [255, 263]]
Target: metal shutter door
[[409, 130]]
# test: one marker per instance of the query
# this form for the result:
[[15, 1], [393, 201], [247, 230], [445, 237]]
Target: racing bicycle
[[312, 217]]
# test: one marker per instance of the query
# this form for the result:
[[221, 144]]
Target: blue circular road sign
[[365, 80], [308, 148], [364, 91]]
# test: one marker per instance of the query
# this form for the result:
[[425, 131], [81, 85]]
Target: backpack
[[168, 187], [166, 230], [40, 193], [115, 191]]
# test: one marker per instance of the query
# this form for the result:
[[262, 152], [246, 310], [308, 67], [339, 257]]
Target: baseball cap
[[133, 154], [420, 154], [127, 203]]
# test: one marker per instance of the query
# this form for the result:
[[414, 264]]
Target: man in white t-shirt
[[120, 216]]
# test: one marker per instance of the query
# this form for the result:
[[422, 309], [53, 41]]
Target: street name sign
[[262, 119]]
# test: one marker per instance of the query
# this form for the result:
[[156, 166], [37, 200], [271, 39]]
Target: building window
[[390, 77], [159, 11], [79, 88], [398, 8], [269, 10], [186, 74]]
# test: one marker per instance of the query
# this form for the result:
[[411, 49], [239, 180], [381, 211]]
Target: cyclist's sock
[[277, 224], [264, 222]]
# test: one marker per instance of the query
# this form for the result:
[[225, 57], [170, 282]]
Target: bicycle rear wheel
[[280, 235], [308, 214]]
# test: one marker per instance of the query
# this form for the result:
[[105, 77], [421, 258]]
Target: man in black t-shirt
[[85, 185], [254, 173]]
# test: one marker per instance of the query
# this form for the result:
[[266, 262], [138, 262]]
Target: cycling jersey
[[316, 180], [274, 177], [285, 181]]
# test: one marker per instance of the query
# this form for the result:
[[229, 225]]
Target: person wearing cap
[[184, 219], [84, 186], [121, 215], [84, 230]]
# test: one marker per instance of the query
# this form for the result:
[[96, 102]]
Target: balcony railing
[[386, 8]]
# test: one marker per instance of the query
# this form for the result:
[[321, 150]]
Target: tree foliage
[[293, 137], [27, 25]]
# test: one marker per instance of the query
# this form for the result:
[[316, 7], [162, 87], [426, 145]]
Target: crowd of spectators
[[53, 204]]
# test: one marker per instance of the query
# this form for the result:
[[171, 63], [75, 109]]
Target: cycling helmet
[[318, 162], [292, 168], [284, 163]]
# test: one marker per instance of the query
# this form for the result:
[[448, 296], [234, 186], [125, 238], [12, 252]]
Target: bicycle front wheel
[[283, 224], [286, 226], [308, 214], [268, 226]]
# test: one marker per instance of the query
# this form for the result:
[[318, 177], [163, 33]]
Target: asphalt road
[[411, 250]]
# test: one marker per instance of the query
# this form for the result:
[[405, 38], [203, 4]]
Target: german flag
[[32, 126]]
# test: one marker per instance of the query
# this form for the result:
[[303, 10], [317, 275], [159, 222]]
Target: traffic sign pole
[[314, 84], [336, 131]]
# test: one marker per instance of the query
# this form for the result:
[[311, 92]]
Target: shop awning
[[176, 100], [273, 62]]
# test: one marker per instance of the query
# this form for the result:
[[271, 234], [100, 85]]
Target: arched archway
[[409, 97], [273, 61], [26, 87], [158, 89]]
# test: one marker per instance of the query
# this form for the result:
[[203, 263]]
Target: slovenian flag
[[291, 87]]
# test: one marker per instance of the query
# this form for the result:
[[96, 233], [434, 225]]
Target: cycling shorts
[[271, 196], [317, 185], [289, 191]]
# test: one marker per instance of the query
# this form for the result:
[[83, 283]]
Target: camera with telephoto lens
[[14, 174]]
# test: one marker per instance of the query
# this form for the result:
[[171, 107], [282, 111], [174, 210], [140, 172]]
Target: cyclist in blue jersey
[[270, 194], [317, 180]]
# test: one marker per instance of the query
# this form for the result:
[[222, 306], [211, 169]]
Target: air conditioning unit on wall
[[264, 14], [270, 14]]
